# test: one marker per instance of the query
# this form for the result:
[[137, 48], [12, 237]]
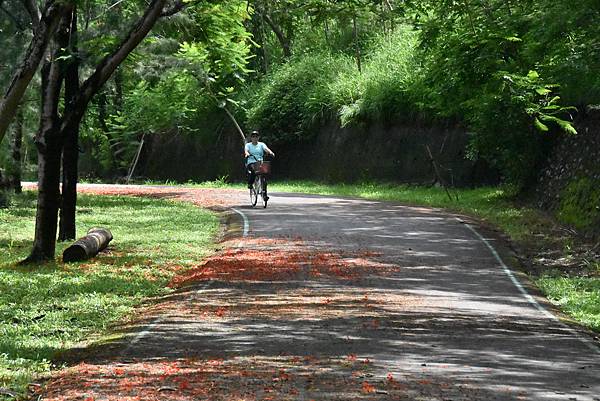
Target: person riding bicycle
[[254, 152]]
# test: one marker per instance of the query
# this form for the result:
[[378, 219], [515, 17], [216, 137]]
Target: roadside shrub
[[390, 72], [295, 98], [316, 87]]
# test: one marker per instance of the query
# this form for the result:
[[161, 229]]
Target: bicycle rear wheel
[[263, 192]]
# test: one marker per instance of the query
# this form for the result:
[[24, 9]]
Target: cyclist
[[254, 152]]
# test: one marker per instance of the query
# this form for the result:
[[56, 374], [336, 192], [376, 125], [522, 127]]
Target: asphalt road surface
[[464, 319], [434, 315]]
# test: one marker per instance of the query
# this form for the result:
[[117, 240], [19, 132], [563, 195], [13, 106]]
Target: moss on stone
[[580, 204]]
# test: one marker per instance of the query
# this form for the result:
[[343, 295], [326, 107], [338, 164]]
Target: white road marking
[[246, 222], [591, 345]]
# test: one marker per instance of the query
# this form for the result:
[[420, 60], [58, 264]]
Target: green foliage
[[383, 89], [580, 204], [474, 63], [492, 61], [295, 98], [311, 89], [173, 84], [48, 309]]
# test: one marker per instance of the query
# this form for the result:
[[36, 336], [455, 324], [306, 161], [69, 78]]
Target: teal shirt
[[258, 151]]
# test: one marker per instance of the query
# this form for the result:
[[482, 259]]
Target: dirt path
[[321, 298]]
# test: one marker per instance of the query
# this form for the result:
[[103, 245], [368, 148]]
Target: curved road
[[434, 316], [468, 321]]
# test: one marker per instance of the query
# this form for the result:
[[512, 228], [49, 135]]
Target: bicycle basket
[[262, 167]]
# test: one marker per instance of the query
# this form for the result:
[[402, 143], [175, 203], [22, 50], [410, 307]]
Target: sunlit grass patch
[[578, 296], [46, 309]]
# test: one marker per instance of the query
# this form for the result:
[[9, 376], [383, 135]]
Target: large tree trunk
[[14, 176], [49, 138], [49, 146], [22, 77], [70, 157]]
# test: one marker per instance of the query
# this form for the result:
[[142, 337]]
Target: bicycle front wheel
[[255, 191], [265, 198]]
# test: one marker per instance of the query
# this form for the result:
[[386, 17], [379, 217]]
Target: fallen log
[[89, 246]]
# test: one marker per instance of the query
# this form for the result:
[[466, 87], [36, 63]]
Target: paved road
[[433, 315], [465, 321]]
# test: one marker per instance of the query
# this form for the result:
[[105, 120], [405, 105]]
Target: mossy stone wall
[[335, 154], [569, 184]]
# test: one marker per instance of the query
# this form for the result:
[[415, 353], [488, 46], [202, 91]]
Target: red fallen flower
[[367, 388]]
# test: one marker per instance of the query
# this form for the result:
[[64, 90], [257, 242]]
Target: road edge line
[[246, 222], [590, 344]]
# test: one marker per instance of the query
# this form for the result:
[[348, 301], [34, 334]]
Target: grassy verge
[[45, 310]]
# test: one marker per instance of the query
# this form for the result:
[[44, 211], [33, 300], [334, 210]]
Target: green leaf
[[539, 125], [563, 124], [513, 39], [542, 91], [533, 75]]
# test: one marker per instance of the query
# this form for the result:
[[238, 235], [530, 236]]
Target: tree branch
[[34, 12], [31, 60], [109, 64], [174, 9], [280, 35]]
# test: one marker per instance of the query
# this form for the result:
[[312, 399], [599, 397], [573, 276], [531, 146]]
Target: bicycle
[[259, 187]]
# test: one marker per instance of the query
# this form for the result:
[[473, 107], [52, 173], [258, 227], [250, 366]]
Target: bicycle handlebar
[[247, 157]]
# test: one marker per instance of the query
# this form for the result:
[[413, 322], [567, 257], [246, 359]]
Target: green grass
[[47, 309], [577, 296]]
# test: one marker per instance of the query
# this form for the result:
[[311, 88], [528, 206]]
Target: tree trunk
[[71, 148], [14, 176], [34, 12], [255, 25], [22, 77], [49, 138], [102, 112], [49, 146]]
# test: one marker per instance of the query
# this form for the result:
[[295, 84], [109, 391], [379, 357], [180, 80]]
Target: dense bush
[[296, 97], [317, 87], [383, 91]]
